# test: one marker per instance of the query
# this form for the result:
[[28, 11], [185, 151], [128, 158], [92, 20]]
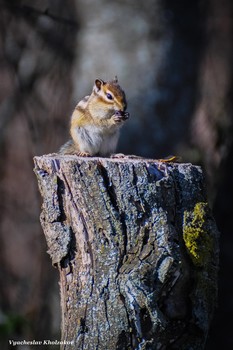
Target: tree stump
[[137, 250]]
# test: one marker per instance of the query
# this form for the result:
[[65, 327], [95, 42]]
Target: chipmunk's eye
[[109, 96]]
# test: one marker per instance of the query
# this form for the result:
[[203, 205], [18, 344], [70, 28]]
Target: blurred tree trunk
[[137, 250], [212, 125]]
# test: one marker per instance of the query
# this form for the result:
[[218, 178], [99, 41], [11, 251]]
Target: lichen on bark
[[197, 233]]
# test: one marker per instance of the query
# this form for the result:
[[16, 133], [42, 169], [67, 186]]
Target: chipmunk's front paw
[[125, 116], [120, 116]]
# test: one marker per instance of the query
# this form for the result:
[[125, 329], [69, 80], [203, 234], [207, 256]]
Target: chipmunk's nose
[[120, 113]]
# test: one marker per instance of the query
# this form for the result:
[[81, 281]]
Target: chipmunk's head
[[111, 98]]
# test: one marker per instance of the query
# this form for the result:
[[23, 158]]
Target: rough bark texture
[[137, 250]]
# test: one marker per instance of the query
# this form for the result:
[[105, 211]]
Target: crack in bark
[[108, 186], [80, 214], [105, 295]]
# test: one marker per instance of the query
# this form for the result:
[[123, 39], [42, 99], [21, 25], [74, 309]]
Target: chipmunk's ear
[[115, 79], [99, 83]]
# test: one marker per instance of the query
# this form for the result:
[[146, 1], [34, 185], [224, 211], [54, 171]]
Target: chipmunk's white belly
[[109, 144], [93, 141]]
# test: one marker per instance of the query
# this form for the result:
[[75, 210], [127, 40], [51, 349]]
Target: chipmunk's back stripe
[[82, 105]]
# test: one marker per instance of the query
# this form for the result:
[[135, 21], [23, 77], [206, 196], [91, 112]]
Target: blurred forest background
[[174, 59]]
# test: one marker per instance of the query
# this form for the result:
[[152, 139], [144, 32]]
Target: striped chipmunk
[[96, 121]]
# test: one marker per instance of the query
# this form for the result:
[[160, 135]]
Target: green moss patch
[[197, 234]]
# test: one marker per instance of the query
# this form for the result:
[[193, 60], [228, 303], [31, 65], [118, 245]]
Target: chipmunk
[[96, 121]]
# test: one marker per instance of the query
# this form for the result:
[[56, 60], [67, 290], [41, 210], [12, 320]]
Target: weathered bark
[[137, 251]]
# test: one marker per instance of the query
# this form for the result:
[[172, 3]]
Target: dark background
[[173, 59]]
